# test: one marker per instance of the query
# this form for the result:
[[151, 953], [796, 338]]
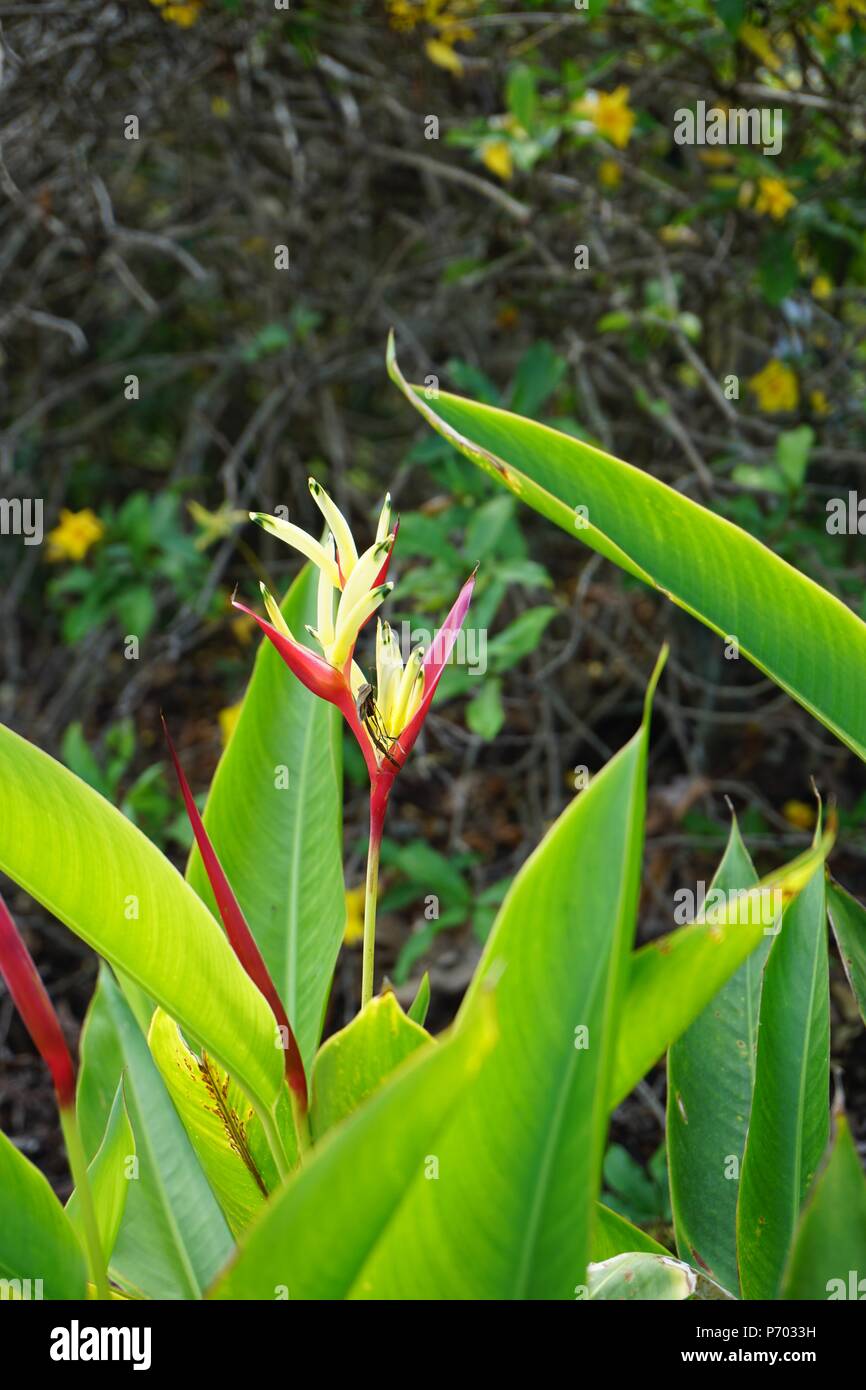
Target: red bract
[[241, 938], [31, 1000]]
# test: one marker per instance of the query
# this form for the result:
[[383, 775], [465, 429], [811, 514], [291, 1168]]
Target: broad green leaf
[[96, 872], [318, 1231], [520, 1161], [800, 635], [353, 1063], [613, 1235], [37, 1239], [221, 1124], [274, 815], [674, 977], [828, 1259], [173, 1236], [848, 919], [711, 1072], [110, 1171], [790, 1123], [640, 1275]]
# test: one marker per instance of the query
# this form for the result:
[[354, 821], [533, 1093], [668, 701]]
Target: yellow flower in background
[[443, 55], [799, 814], [757, 41], [819, 403], [354, 931], [220, 107], [609, 174], [775, 387], [845, 14], [774, 198], [183, 15], [717, 159], [496, 156], [214, 526], [228, 718], [75, 534], [610, 113], [822, 287]]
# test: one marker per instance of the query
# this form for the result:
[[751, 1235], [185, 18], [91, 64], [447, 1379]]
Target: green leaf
[[520, 1161], [485, 714], [221, 1124], [613, 1235], [355, 1062], [828, 1259], [421, 1003], [792, 453], [801, 636], [317, 1233], [110, 1173], [540, 371], [674, 977], [711, 1072], [96, 872], [848, 919], [173, 1237], [37, 1240], [790, 1123], [640, 1275], [281, 847], [520, 94]]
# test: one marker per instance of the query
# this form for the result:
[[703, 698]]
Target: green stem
[[370, 895], [275, 1143], [78, 1165]]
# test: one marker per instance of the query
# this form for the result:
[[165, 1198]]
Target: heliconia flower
[[238, 932], [386, 722], [31, 1000]]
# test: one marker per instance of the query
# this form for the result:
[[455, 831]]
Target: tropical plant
[[220, 1148]]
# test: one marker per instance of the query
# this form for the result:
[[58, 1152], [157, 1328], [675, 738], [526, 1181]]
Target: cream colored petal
[[273, 611], [389, 669], [346, 547], [294, 536], [358, 679], [384, 527], [364, 574], [409, 692], [325, 603], [349, 623]]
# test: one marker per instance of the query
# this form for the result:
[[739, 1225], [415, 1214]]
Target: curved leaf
[[805, 639], [711, 1072], [848, 919], [316, 1234], [790, 1123], [521, 1158], [221, 1124], [828, 1259], [109, 1173], [89, 866], [640, 1275], [353, 1063], [173, 1237], [672, 978], [37, 1239]]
